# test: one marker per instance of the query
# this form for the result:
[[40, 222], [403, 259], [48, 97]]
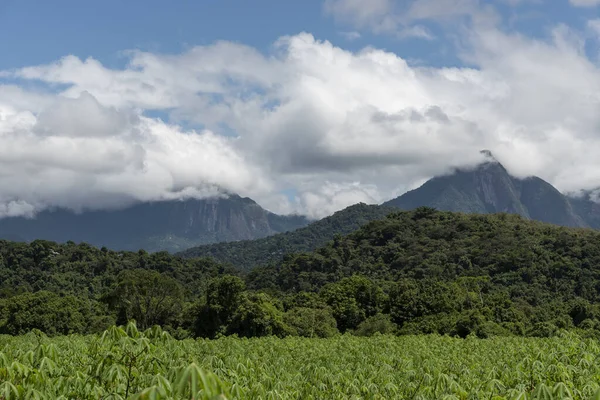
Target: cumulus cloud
[[339, 126], [17, 208], [83, 117], [79, 154], [331, 197]]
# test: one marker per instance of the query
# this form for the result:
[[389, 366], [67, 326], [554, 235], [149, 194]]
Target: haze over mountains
[[179, 225], [165, 225]]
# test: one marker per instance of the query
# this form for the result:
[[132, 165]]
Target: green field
[[123, 363]]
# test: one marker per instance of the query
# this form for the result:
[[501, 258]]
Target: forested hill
[[250, 253], [445, 272], [529, 258], [419, 271]]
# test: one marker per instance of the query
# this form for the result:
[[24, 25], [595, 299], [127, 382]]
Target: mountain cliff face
[[489, 188], [165, 225], [588, 208], [251, 253]]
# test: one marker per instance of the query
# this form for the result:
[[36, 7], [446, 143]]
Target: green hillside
[[420, 271], [250, 253]]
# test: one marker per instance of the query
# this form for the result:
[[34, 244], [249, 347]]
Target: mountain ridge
[[250, 253], [164, 225], [184, 225], [484, 189], [489, 188]]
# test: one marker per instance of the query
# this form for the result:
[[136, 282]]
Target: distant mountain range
[[487, 188], [163, 225], [184, 225], [247, 254]]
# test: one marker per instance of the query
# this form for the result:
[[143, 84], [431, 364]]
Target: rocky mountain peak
[[487, 153], [489, 188]]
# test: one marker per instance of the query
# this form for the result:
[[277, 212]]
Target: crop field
[[124, 363]]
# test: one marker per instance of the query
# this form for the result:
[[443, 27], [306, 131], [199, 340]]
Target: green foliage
[[453, 273], [431, 272], [51, 313], [223, 297], [148, 297], [378, 323], [257, 316], [124, 362], [65, 288], [85, 271], [248, 254], [352, 300], [311, 322]]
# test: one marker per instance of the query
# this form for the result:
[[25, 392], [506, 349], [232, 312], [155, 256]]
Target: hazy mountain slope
[[247, 254], [166, 225], [489, 188], [485, 189], [545, 203], [586, 207]]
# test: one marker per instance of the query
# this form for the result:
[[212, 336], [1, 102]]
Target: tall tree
[[148, 297]]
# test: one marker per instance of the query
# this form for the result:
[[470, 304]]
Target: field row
[[124, 363]]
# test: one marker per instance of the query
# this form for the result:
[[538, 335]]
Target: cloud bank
[[337, 126]]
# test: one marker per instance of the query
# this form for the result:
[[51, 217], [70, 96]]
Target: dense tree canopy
[[248, 254], [421, 271]]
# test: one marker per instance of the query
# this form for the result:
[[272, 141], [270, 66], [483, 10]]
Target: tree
[[410, 299], [50, 313], [381, 323], [223, 297], [257, 315], [352, 300], [148, 297], [311, 322]]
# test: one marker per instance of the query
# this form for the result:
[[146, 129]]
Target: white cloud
[[330, 197], [82, 117], [585, 3], [309, 115], [17, 208], [79, 154]]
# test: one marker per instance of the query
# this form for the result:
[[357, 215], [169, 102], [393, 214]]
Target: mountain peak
[[489, 188], [488, 155]]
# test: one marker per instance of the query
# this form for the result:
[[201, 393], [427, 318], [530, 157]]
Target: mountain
[[587, 207], [489, 188], [250, 253], [154, 226]]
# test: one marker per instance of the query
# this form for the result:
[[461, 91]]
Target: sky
[[306, 107]]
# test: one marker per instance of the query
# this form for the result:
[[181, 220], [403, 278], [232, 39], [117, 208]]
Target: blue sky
[[305, 106], [37, 32], [43, 31]]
